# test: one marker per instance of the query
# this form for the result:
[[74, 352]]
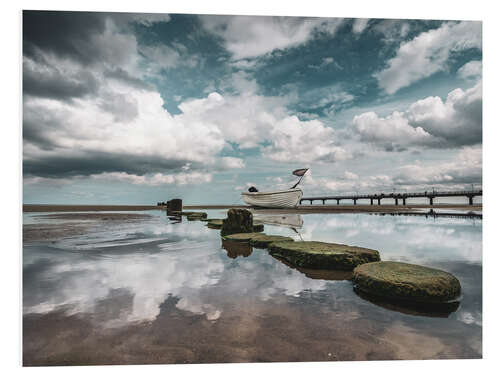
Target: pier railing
[[431, 195]]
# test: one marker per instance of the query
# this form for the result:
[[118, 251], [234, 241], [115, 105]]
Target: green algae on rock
[[194, 214], [214, 223], [323, 255], [404, 281], [264, 240], [242, 237]]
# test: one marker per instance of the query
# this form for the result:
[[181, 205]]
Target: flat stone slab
[[193, 213], [406, 282], [323, 255], [264, 240], [214, 223], [242, 237]]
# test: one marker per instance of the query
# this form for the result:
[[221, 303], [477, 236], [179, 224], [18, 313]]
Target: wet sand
[[85, 222]]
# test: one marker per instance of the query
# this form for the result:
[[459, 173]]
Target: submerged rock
[[323, 255], [406, 282], [238, 221]]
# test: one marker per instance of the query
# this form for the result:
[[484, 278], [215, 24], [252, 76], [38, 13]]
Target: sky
[[124, 108]]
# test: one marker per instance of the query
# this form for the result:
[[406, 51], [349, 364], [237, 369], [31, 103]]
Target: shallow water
[[154, 291]]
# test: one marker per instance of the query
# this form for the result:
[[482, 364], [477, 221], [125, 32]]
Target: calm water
[[150, 291]]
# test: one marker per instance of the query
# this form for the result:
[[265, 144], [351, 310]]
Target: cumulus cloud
[[252, 36], [428, 53], [465, 169], [429, 122], [155, 179], [471, 70], [359, 25], [293, 140]]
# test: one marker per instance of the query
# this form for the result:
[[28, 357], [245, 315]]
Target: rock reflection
[[435, 310], [318, 274], [235, 249]]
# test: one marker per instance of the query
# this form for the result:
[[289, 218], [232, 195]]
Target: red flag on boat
[[300, 172]]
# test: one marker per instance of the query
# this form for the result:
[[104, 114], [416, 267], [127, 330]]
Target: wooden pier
[[398, 197]]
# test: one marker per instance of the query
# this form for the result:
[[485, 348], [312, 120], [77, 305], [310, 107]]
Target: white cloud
[[393, 128], [428, 53], [431, 122], [156, 179], [252, 36], [466, 168], [229, 162], [359, 25], [303, 141], [471, 70], [249, 120]]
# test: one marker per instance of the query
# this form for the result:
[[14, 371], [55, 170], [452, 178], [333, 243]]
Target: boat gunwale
[[258, 193]]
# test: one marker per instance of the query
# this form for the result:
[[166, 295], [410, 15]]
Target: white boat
[[273, 199]]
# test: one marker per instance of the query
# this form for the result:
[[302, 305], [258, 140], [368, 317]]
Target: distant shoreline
[[300, 209]]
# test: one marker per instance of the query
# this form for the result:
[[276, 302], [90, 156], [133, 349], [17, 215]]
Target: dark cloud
[[44, 80], [57, 166], [66, 34]]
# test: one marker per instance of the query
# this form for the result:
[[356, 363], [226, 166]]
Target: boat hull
[[274, 199]]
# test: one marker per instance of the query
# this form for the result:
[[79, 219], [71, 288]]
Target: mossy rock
[[238, 221], [406, 282], [264, 240], [323, 255], [242, 237], [258, 227], [214, 223]]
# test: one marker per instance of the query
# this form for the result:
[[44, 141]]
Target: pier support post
[[396, 199], [471, 200], [378, 201], [431, 199], [371, 201], [338, 202], [404, 201], [323, 201], [355, 200], [311, 201]]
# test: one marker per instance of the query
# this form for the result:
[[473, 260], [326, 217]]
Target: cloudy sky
[[126, 108]]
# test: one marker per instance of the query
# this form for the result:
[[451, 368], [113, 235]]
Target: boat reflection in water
[[235, 249], [282, 220]]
